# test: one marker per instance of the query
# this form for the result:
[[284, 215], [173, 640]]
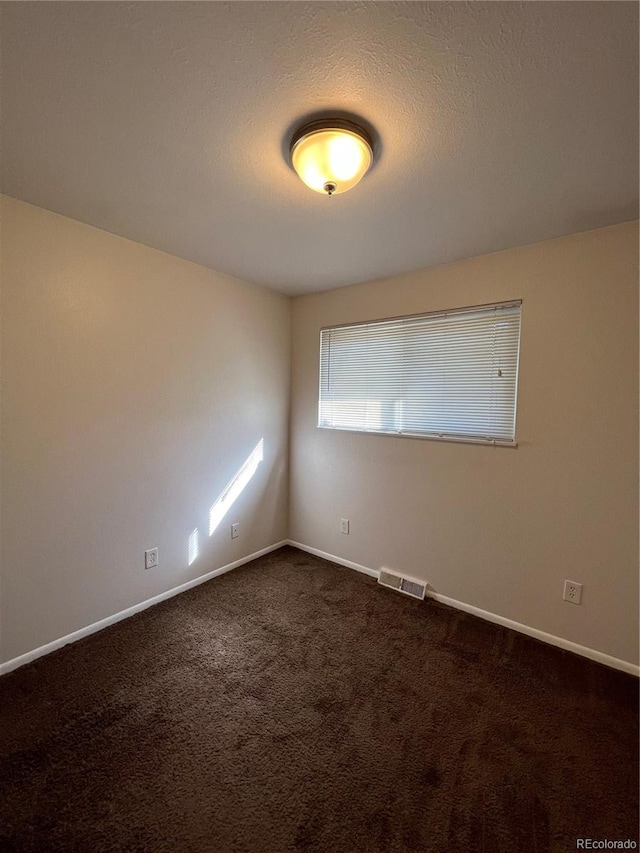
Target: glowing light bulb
[[331, 159]]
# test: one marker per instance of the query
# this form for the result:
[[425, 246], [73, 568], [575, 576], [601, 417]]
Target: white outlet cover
[[344, 525], [572, 592], [235, 530], [151, 558]]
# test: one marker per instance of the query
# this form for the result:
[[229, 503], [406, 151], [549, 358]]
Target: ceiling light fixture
[[331, 155]]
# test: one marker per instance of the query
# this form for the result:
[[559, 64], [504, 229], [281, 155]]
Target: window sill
[[458, 439]]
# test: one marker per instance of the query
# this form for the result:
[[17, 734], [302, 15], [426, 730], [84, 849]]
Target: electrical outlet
[[235, 530], [344, 525], [572, 592], [151, 558]]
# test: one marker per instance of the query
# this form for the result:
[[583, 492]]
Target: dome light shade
[[331, 156]]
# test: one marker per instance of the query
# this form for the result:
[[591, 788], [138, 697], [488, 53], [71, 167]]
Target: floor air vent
[[409, 586]]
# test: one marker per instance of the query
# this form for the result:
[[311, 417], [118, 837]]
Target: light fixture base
[[330, 124]]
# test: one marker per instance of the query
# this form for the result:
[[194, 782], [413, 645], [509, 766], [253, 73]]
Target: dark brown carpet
[[295, 705]]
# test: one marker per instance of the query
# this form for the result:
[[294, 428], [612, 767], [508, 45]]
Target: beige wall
[[134, 385], [498, 528]]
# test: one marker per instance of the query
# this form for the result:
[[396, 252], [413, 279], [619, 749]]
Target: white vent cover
[[409, 586]]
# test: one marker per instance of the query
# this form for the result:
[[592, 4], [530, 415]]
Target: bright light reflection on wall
[[230, 493], [193, 546]]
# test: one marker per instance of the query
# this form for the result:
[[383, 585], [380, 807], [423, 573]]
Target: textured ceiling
[[499, 124]]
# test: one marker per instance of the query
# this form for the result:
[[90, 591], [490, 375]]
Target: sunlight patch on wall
[[231, 492], [193, 545]]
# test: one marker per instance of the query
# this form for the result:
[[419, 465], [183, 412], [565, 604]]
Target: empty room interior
[[319, 427]]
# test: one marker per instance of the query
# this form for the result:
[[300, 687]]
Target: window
[[449, 375]]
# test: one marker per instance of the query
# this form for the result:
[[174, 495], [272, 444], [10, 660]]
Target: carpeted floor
[[295, 705]]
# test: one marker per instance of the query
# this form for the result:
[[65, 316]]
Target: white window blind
[[450, 375]]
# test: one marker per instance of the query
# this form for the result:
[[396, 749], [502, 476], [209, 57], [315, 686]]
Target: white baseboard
[[124, 614], [560, 642], [348, 563]]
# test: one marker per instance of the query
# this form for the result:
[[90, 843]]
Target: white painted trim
[[560, 642], [567, 645], [124, 614], [348, 563]]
